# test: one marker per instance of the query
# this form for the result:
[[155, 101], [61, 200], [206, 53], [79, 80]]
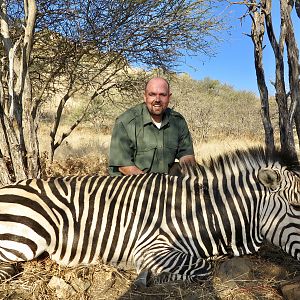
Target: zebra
[[166, 227]]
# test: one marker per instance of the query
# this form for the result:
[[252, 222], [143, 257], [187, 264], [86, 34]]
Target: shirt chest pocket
[[170, 147], [146, 144], [171, 140], [144, 158]]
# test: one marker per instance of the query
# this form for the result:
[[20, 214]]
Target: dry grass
[[33, 281], [213, 148], [86, 165], [84, 141]]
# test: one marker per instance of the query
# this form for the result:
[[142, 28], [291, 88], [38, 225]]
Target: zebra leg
[[170, 264], [143, 278]]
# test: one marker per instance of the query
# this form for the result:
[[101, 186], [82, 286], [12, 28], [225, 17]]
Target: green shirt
[[136, 141]]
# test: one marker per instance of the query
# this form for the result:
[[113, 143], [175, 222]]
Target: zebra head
[[281, 213]]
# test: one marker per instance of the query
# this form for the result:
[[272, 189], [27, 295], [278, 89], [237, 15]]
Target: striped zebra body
[[164, 224]]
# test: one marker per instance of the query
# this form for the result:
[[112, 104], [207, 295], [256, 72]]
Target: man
[[150, 136]]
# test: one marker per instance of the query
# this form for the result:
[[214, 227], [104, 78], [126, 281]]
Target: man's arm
[[187, 159], [121, 157], [130, 170]]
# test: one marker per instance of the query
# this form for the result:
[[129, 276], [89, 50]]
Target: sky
[[233, 63]]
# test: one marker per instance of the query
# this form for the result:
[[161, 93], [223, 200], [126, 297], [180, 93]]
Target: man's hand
[[187, 160], [130, 170], [188, 164]]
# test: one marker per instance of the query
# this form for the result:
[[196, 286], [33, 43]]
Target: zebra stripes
[[167, 226]]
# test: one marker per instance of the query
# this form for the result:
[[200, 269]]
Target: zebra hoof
[[7, 271], [142, 279]]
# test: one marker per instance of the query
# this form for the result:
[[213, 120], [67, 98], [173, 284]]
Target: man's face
[[157, 97]]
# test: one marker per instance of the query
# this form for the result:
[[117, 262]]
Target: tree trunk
[[297, 6], [293, 63], [5, 174], [297, 122], [30, 118], [11, 143], [19, 155], [288, 113], [257, 35], [286, 130]]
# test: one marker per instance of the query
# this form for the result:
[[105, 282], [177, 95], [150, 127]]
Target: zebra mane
[[254, 155]]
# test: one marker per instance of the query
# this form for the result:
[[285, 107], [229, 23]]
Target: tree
[[287, 95], [17, 129], [53, 47]]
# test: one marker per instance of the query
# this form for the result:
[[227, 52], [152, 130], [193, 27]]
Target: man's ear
[[269, 178]]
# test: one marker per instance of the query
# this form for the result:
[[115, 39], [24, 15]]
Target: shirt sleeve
[[121, 148], [185, 146]]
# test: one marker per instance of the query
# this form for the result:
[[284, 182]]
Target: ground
[[261, 276]]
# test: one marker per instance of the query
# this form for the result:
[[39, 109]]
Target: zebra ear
[[269, 178]]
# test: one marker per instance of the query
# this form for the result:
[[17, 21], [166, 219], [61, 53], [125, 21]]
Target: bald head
[[157, 81]]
